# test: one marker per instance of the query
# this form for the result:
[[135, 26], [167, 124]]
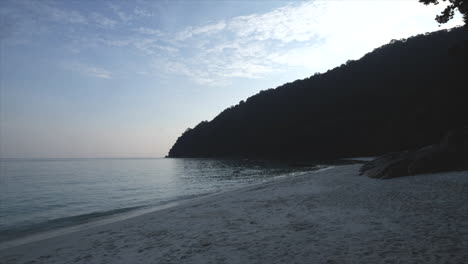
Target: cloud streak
[[88, 70], [103, 21], [241, 47], [310, 36]]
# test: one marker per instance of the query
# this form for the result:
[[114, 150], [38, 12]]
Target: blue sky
[[126, 78]]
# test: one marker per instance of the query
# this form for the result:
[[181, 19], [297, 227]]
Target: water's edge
[[66, 225]]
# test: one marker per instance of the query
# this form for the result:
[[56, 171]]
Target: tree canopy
[[403, 95], [449, 11]]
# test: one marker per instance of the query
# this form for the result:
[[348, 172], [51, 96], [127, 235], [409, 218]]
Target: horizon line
[[38, 158]]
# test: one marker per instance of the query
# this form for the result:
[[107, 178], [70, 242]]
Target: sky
[[126, 78]]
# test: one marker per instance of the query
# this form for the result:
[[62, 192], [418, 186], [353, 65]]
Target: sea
[[40, 198]]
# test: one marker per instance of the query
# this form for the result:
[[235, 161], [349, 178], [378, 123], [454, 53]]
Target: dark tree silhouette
[[449, 11], [403, 95]]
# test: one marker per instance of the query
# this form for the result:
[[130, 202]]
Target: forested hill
[[403, 95]]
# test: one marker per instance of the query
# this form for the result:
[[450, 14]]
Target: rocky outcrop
[[450, 154]]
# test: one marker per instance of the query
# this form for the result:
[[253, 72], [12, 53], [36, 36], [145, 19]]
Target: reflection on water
[[43, 194]]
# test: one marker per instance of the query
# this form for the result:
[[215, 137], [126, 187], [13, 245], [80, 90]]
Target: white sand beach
[[328, 216]]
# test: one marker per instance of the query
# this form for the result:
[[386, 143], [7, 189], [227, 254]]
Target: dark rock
[[387, 166], [433, 158], [450, 154]]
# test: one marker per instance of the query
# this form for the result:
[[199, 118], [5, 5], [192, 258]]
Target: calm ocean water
[[42, 195]]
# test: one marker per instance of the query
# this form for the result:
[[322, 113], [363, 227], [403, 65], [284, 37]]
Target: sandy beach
[[329, 216]]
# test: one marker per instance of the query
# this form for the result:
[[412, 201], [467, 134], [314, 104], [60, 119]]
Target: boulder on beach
[[450, 154]]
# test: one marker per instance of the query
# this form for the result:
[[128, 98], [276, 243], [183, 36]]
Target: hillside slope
[[403, 95]]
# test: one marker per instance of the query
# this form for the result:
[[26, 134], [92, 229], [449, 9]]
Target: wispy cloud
[[49, 11], [98, 72], [153, 47], [241, 47], [197, 75], [146, 45], [310, 36], [122, 15], [103, 21], [23, 22], [142, 12], [88, 70], [205, 29], [64, 16], [148, 31], [286, 24]]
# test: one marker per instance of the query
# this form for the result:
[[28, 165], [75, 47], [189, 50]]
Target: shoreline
[[332, 215], [142, 210]]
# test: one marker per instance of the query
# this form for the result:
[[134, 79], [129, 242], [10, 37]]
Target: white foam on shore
[[330, 216]]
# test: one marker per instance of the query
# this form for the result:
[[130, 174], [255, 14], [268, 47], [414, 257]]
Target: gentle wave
[[44, 198], [15, 233]]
